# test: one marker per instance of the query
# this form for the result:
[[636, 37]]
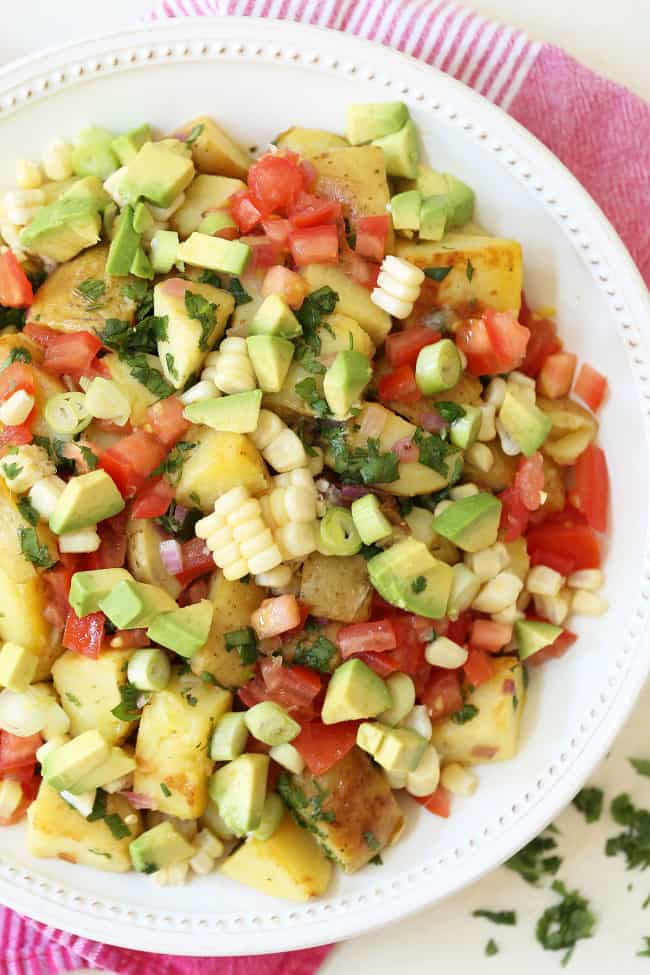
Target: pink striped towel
[[598, 129]]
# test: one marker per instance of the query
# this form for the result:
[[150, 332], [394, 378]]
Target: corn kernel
[[458, 780], [57, 160], [418, 720], [29, 175], [509, 446], [508, 615], [591, 579], [498, 593], [495, 392], [16, 408], [442, 652], [86, 540], [440, 507], [554, 608], [588, 603], [544, 581], [489, 562], [277, 578], [480, 456], [488, 430]]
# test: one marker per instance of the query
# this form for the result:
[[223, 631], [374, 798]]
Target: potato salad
[[295, 490]]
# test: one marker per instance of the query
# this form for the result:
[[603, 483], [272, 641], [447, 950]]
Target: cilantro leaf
[[166, 791], [117, 826], [419, 585], [469, 270], [173, 463], [127, 709], [589, 801], [128, 340], [640, 765], [37, 553], [197, 130], [491, 948], [497, 917], [209, 277], [12, 470], [450, 411], [202, 311], [530, 862], [244, 642], [90, 458], [316, 655], [28, 511], [310, 315], [91, 291], [140, 292], [308, 390], [437, 273], [238, 292], [371, 841], [360, 465], [564, 924], [634, 842], [433, 450], [466, 713], [12, 318], [148, 376], [99, 807], [646, 949], [18, 354]]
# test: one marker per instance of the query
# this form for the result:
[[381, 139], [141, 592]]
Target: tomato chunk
[[490, 636], [274, 182], [554, 650], [197, 561], [275, 616], [372, 235], [72, 353], [15, 287], [153, 499], [17, 753], [591, 386], [310, 211], [442, 695], [84, 634], [399, 385], [529, 481], [366, 637], [438, 803], [402, 348], [167, 421], [570, 541], [244, 212], [543, 343], [321, 746], [514, 514], [556, 375], [478, 668], [315, 245], [131, 460], [592, 486], [16, 376]]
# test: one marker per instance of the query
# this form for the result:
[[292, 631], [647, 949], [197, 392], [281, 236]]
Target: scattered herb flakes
[[377, 860], [244, 642], [127, 709], [634, 842], [640, 765], [90, 459], [316, 655], [589, 801], [645, 953], [117, 826], [437, 273], [419, 585], [171, 366], [27, 510], [491, 948], [12, 318], [369, 551], [99, 807], [497, 917], [202, 311], [73, 699], [309, 392], [645, 903], [209, 678], [12, 470], [209, 277], [91, 291], [469, 270], [360, 465], [191, 700], [310, 315], [371, 841], [307, 812], [433, 451], [18, 354], [100, 853], [166, 791], [37, 553], [450, 411], [564, 924], [467, 713], [172, 465], [197, 131], [238, 292], [531, 863], [182, 529]]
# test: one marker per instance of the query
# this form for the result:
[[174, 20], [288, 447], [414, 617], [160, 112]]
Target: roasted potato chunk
[[500, 475], [574, 428], [356, 177], [309, 142], [213, 151], [337, 587], [233, 602], [89, 690]]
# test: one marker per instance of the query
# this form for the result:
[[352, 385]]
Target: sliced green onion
[[66, 414], [106, 401], [438, 367], [369, 520], [338, 535], [464, 431], [149, 669], [272, 814]]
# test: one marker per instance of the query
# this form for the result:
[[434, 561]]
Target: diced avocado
[[229, 737], [405, 210], [87, 589], [157, 173], [215, 253], [429, 182], [374, 120], [525, 423], [433, 218], [158, 848], [470, 523], [85, 501], [274, 317], [93, 155], [205, 195], [183, 630], [271, 357], [270, 723], [124, 245], [164, 250], [345, 380], [62, 229], [409, 576], [460, 202], [126, 146], [238, 413], [309, 142], [17, 667], [370, 735], [239, 791], [118, 764], [272, 815], [63, 767], [401, 151], [354, 691], [142, 217], [464, 430], [395, 749], [464, 590], [533, 635], [91, 188], [134, 605], [141, 265], [212, 223]]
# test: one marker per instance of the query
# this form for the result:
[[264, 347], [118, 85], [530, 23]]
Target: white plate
[[258, 78]]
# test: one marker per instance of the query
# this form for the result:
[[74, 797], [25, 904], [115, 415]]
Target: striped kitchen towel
[[598, 129]]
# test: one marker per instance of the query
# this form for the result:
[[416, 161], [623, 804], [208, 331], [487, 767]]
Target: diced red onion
[[484, 751], [171, 554], [407, 451], [180, 513], [432, 422], [271, 668], [139, 801], [174, 287], [352, 492], [508, 686]]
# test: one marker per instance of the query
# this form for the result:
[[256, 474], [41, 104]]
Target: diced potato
[[363, 804], [59, 306], [554, 486], [90, 689], [336, 586], [356, 176], [309, 142], [493, 734], [354, 300], [500, 475], [574, 428], [290, 864], [45, 384], [519, 559], [204, 193], [213, 151], [233, 601], [467, 391], [287, 403], [55, 829], [495, 281], [344, 329], [143, 556], [29, 628], [139, 397], [218, 462], [12, 561], [172, 745]]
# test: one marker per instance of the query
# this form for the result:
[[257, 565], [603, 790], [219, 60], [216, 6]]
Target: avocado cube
[[525, 423], [400, 750], [142, 218], [471, 523], [126, 146], [270, 357], [460, 201], [433, 218], [164, 250], [274, 317], [85, 501], [159, 847], [345, 380], [429, 182], [401, 151], [124, 245], [87, 589], [215, 253], [374, 120], [533, 635], [409, 576], [212, 223], [157, 173], [229, 737], [63, 767], [63, 229], [237, 413], [118, 764], [141, 265], [17, 667], [93, 155], [239, 791], [405, 210], [354, 691], [135, 605], [370, 735], [183, 630], [89, 188]]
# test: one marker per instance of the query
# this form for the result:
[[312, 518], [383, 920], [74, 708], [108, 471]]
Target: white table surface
[[610, 36]]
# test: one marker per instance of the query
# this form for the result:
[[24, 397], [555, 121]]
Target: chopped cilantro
[[12, 318], [467, 713], [244, 642], [73, 699], [646, 903], [166, 791], [307, 812], [369, 551], [491, 948], [308, 390], [117, 826], [91, 460], [99, 807], [183, 529], [564, 924], [141, 293], [450, 411], [100, 853], [128, 340], [28, 511], [634, 842], [530, 862], [191, 700], [437, 273], [150, 377], [209, 277], [171, 365], [433, 450], [127, 709], [371, 841], [360, 465], [91, 291], [646, 948], [497, 917], [238, 292], [469, 270], [37, 553], [640, 765], [11, 471], [173, 463], [18, 354], [316, 655], [590, 802], [208, 678], [202, 311], [310, 315], [419, 585], [197, 130], [377, 860]]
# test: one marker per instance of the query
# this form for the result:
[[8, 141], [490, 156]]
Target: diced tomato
[[592, 486], [309, 174], [295, 688], [17, 753], [305, 613], [71, 353], [427, 629], [244, 212], [529, 480], [40, 334], [494, 343], [514, 514], [591, 387], [130, 639], [570, 541], [543, 343], [473, 340], [275, 182], [153, 499], [383, 664], [490, 636], [564, 564], [372, 234], [372, 637], [111, 553], [280, 280], [402, 348], [509, 339], [14, 377], [167, 422], [438, 803], [315, 245], [442, 695], [556, 375], [458, 630], [194, 593], [399, 385], [277, 229], [266, 252], [15, 287], [84, 634], [478, 668], [321, 745], [15, 436], [311, 211], [197, 561], [131, 460], [554, 650], [276, 616], [363, 272], [57, 581]]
